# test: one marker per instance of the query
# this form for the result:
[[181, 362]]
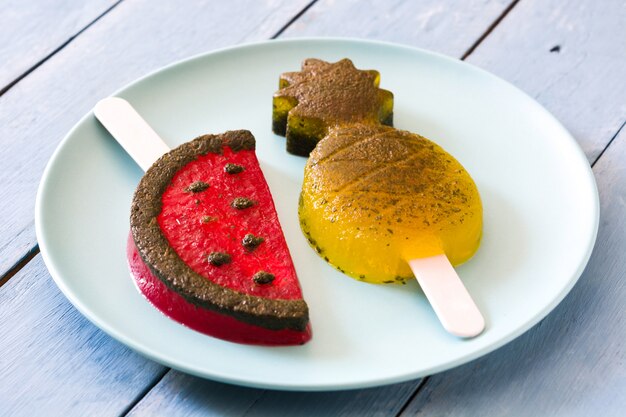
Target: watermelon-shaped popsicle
[[206, 246]]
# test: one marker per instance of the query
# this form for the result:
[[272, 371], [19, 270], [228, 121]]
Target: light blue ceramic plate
[[540, 201]]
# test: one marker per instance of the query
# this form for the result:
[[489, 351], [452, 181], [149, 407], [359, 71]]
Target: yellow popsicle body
[[374, 197]]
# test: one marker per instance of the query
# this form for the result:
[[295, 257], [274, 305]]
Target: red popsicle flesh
[[196, 224]]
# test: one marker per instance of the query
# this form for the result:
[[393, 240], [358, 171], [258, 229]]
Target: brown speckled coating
[[170, 269], [324, 95]]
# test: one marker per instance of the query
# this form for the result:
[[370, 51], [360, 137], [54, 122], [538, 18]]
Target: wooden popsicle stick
[[132, 132], [453, 305]]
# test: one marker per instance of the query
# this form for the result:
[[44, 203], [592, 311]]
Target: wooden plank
[[571, 57], [133, 39], [31, 31], [429, 24], [572, 363], [180, 395], [54, 362]]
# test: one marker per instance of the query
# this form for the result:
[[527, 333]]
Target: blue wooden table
[[58, 57]]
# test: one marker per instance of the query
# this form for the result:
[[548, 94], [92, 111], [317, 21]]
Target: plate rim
[[153, 354]]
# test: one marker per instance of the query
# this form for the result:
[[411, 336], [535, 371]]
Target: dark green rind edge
[[165, 264], [388, 120], [302, 145]]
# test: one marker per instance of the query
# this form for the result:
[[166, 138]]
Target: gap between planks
[[39, 63], [490, 29], [409, 400], [293, 19], [608, 144], [19, 265]]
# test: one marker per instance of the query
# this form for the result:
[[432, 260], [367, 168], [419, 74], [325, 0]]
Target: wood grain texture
[[131, 40], [571, 57], [180, 395], [53, 362], [30, 32], [574, 362], [447, 27]]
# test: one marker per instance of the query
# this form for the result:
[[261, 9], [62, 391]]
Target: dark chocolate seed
[[241, 203], [233, 168], [197, 187], [251, 242], [219, 258], [263, 277]]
